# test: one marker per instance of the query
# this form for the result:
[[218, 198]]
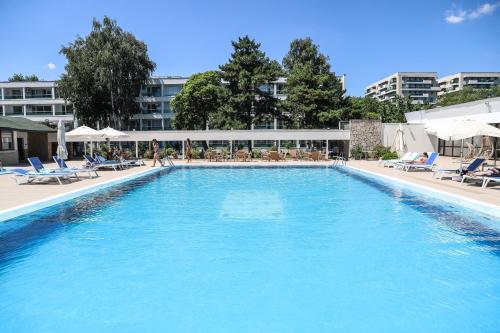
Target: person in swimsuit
[[156, 156]]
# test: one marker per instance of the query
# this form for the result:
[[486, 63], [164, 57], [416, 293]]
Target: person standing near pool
[[156, 156], [189, 153]]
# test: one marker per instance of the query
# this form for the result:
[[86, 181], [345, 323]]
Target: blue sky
[[364, 39]]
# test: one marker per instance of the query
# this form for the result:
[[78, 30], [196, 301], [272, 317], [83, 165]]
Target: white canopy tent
[[460, 129], [84, 133]]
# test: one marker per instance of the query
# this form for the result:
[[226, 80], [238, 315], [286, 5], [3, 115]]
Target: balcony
[[13, 96], [38, 96]]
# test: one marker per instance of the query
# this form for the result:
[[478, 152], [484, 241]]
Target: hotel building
[[39, 101], [476, 80], [420, 87]]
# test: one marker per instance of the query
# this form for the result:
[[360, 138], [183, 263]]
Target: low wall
[[10, 157], [417, 139]]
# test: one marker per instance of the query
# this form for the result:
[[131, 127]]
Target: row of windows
[[18, 110]]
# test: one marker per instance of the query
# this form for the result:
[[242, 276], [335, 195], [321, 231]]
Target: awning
[[23, 124]]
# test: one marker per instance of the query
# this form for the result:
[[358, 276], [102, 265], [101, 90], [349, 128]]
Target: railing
[[13, 96], [29, 96]]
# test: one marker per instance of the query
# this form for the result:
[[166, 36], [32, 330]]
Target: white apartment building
[[39, 101], [476, 80], [420, 87]]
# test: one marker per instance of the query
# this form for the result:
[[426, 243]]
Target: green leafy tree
[[246, 72], [202, 95], [314, 92], [104, 73], [468, 94], [20, 78]]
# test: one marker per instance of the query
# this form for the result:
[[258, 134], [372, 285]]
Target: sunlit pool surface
[[251, 250]]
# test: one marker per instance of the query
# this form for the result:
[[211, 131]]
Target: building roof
[[23, 124]]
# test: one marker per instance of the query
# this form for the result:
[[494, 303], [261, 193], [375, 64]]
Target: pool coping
[[472, 204], [27, 208], [483, 208]]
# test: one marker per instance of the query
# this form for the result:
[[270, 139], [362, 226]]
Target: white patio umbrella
[[84, 133], [111, 133], [460, 129], [399, 144], [62, 152]]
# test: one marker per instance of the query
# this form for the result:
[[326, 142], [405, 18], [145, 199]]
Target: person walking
[[156, 156]]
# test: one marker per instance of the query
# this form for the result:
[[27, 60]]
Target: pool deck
[[13, 195]]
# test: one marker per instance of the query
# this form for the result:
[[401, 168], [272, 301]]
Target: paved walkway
[[12, 195]]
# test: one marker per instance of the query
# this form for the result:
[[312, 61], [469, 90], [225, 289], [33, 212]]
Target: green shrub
[[171, 152], [195, 153], [357, 152], [257, 153], [148, 154], [390, 155], [381, 150]]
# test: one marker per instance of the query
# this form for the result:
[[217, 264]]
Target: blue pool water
[[251, 250]]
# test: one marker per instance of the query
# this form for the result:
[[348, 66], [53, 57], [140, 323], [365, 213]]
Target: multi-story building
[[476, 80], [39, 101], [420, 87]]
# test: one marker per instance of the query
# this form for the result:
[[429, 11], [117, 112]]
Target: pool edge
[[27, 208], [483, 208]]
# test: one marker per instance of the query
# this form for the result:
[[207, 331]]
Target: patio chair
[[427, 166], [264, 155], [315, 155], [293, 154], [31, 177], [454, 172], [274, 156], [64, 167], [242, 155], [39, 168], [98, 165]]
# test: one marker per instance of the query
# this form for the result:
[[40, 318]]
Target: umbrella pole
[[461, 155], [91, 148], [136, 149]]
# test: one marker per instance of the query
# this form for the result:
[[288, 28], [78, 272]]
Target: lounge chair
[[293, 154], [487, 180], [455, 172], [64, 167], [481, 177], [101, 159], [406, 158], [315, 155], [428, 165], [242, 155], [98, 165], [39, 168], [31, 176]]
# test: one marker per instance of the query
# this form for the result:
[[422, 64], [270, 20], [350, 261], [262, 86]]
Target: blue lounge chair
[[457, 172], [38, 166], [98, 165], [64, 167], [101, 159], [30, 176], [428, 165]]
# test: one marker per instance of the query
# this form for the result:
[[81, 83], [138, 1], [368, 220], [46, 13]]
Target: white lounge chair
[[408, 157], [30, 176], [428, 165]]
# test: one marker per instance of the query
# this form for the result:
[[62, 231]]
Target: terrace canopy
[[84, 133]]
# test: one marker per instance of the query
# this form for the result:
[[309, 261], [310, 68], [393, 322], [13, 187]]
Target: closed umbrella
[[399, 144], [460, 129], [62, 152]]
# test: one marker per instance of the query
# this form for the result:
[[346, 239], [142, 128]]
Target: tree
[[246, 72], [20, 78], [104, 73], [468, 94], [201, 96], [314, 92]]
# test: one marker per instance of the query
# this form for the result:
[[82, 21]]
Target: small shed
[[21, 137]]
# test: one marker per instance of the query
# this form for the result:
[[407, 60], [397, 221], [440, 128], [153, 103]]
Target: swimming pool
[[251, 250]]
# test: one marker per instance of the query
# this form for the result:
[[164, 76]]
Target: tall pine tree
[[313, 90], [246, 72]]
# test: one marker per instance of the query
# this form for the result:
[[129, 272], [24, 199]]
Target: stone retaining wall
[[365, 133]]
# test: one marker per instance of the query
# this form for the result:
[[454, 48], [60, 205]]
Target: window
[[7, 142], [167, 107], [153, 91], [172, 90], [148, 108], [65, 109], [39, 93], [16, 110], [39, 110]]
